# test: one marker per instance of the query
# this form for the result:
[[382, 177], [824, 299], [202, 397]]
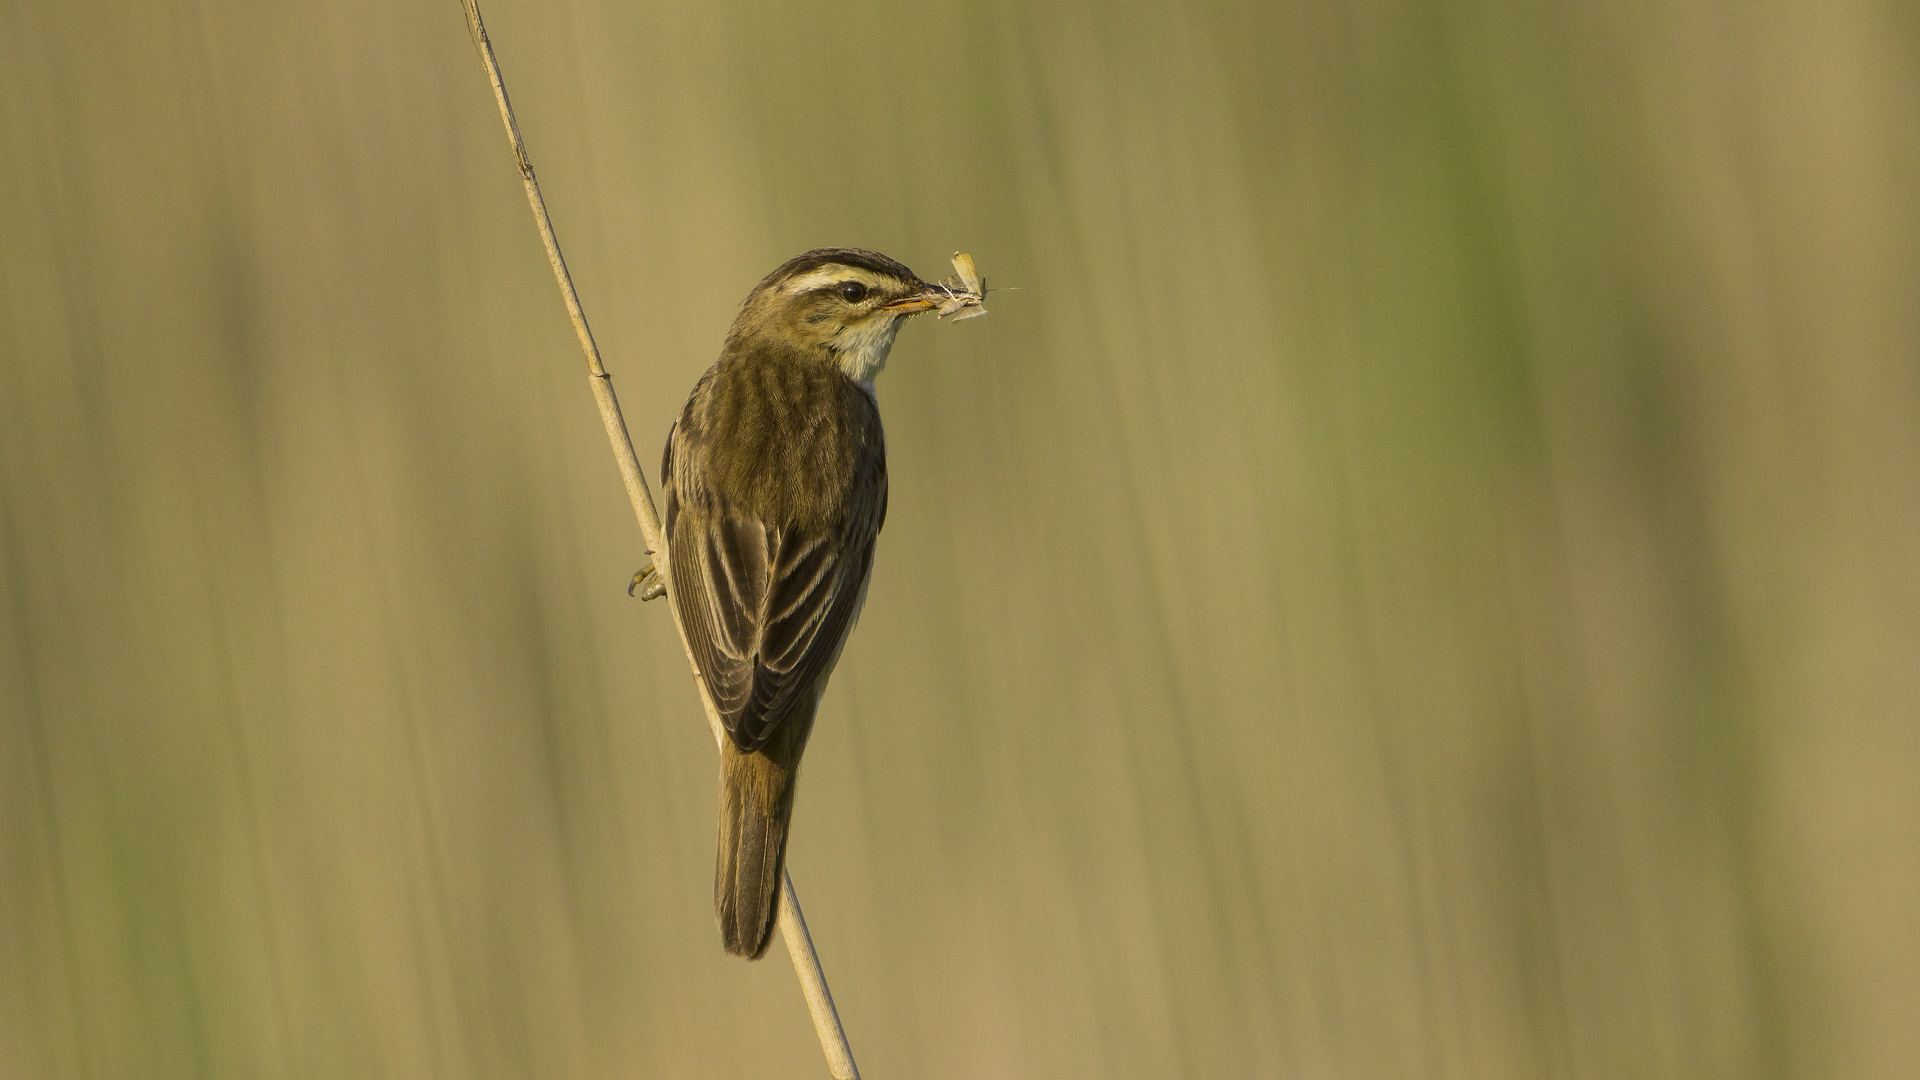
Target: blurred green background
[[1424, 580]]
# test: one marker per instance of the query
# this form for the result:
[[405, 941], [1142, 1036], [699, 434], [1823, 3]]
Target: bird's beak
[[928, 298]]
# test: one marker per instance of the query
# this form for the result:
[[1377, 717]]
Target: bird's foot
[[647, 583]]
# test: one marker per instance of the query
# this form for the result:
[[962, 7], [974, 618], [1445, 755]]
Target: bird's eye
[[853, 292]]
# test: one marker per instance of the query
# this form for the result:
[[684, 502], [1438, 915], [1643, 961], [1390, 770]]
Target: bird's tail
[[756, 803]]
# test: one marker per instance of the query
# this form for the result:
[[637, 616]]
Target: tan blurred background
[[1424, 580]]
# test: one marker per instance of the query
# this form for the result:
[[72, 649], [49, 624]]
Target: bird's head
[[843, 305]]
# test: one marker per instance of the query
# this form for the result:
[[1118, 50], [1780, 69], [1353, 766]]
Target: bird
[[775, 483]]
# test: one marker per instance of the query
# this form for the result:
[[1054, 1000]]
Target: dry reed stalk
[[793, 925]]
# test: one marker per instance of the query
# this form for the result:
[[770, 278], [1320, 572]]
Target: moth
[[966, 291]]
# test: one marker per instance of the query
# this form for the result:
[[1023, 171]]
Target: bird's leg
[[649, 583]]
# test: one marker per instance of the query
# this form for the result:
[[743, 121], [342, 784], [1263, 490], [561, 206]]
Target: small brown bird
[[776, 488]]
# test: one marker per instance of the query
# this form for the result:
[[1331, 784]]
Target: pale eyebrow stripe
[[833, 275]]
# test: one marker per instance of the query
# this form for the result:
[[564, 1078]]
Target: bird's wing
[[766, 609]]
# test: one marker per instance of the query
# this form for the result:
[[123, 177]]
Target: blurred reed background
[[1421, 583]]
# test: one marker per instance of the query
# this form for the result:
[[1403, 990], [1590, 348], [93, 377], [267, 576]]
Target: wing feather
[[766, 608]]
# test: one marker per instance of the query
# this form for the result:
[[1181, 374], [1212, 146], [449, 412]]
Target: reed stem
[[793, 925]]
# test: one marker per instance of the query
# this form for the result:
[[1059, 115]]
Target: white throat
[[862, 349]]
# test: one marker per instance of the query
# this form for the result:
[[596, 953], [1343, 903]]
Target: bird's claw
[[648, 582]]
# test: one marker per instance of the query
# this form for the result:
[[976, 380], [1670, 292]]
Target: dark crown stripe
[[819, 257]]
